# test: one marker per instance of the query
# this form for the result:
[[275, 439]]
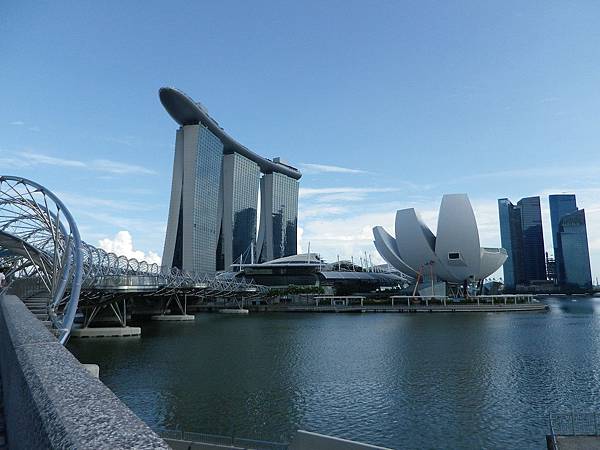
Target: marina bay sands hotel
[[215, 195]]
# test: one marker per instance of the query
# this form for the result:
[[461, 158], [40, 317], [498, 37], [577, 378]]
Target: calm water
[[405, 381]]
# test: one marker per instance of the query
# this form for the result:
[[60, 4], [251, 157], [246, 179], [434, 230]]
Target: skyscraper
[[522, 237], [214, 195], [512, 242], [560, 206], [569, 234], [278, 217], [534, 261], [240, 205]]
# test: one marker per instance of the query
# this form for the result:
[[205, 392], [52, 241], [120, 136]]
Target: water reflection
[[405, 381]]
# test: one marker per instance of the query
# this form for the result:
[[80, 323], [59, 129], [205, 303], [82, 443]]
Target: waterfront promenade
[[394, 304]]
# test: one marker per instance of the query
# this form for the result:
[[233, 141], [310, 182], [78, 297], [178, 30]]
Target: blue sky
[[382, 104]]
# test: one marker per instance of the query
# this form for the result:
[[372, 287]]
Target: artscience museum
[[454, 255]]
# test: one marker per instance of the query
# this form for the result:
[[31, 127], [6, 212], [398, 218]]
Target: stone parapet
[[51, 400]]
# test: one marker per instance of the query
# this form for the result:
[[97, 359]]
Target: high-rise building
[[240, 205], [522, 237], [569, 234], [214, 195], [560, 206], [278, 218], [194, 209], [512, 242], [534, 261]]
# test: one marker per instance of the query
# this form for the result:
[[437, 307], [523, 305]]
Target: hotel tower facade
[[215, 190]]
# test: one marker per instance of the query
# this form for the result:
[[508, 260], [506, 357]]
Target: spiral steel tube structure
[[41, 250]]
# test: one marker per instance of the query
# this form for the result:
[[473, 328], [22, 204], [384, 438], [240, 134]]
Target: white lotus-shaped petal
[[491, 260], [454, 256], [458, 236], [416, 242], [386, 246]]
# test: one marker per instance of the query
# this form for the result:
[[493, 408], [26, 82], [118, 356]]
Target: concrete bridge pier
[[118, 309], [183, 317]]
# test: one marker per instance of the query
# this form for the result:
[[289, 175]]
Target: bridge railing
[[221, 439]]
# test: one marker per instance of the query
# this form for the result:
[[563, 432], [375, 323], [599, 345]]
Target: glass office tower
[[241, 179], [278, 229], [560, 206], [512, 242], [572, 231], [534, 263], [194, 220], [522, 237]]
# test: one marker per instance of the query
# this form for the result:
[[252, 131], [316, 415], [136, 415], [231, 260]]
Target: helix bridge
[[59, 276]]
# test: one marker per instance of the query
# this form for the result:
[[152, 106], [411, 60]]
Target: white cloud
[[29, 158], [118, 168], [129, 141], [321, 210], [299, 241], [39, 158], [323, 168], [346, 236], [311, 192], [85, 201], [20, 123], [122, 245]]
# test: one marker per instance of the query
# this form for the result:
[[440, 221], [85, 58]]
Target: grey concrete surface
[[174, 317], [94, 369], [578, 442], [51, 400], [99, 332]]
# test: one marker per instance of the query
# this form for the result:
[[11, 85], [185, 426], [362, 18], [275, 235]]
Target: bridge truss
[[41, 251]]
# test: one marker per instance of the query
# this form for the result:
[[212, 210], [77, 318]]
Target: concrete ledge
[[173, 317], [94, 369], [101, 332], [233, 311], [51, 400]]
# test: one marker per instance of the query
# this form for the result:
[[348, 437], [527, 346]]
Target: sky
[[382, 104]]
